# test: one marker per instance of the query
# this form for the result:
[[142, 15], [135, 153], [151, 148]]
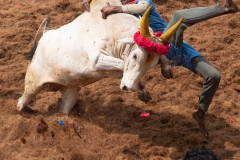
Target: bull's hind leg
[[32, 87], [29, 93], [69, 99]]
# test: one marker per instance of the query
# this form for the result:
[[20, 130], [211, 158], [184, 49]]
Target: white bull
[[84, 51]]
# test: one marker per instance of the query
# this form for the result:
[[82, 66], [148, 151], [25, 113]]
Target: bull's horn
[[169, 33], [144, 30]]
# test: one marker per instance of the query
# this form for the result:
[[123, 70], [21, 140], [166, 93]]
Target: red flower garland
[[149, 45]]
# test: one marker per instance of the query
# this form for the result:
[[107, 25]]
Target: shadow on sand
[[160, 129]]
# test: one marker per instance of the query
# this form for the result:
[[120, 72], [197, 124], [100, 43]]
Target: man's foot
[[199, 117], [229, 7]]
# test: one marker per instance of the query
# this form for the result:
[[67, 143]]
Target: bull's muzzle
[[125, 88]]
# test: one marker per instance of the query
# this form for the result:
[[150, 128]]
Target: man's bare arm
[[108, 9], [131, 9]]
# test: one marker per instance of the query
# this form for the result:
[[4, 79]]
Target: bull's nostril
[[124, 88]]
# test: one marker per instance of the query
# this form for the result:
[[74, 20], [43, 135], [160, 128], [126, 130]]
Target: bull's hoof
[[66, 112], [20, 107]]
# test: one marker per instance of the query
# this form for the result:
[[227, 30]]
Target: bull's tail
[[46, 21]]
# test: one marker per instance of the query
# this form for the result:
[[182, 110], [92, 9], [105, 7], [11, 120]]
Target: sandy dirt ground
[[105, 123]]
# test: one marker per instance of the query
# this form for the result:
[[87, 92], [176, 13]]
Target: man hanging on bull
[[181, 53]]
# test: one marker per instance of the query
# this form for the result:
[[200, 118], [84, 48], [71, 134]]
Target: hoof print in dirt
[[42, 126], [23, 140]]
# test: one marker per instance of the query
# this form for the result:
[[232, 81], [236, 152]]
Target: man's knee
[[214, 78], [177, 14]]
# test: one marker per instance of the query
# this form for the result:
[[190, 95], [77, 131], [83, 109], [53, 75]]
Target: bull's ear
[[126, 40]]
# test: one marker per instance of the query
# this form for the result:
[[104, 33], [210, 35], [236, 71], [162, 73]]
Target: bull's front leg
[[69, 98], [143, 93], [100, 61], [166, 67]]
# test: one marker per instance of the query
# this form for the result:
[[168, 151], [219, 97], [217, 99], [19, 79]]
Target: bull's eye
[[135, 56]]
